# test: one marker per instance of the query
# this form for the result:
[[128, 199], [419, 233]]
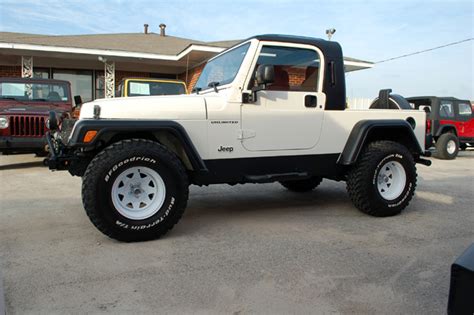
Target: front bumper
[[58, 158], [10, 144]]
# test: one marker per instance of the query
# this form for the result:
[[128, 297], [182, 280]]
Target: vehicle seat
[[54, 96], [311, 79], [282, 80]]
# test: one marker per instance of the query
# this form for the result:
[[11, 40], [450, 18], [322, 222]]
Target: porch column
[[26, 66], [109, 79]]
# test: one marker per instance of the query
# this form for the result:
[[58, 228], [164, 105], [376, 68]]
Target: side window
[[446, 110], [296, 69], [465, 109]]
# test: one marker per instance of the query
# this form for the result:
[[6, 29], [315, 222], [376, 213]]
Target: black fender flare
[[444, 129], [108, 128], [365, 128]]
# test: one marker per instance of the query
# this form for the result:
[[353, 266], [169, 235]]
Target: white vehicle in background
[[271, 108]]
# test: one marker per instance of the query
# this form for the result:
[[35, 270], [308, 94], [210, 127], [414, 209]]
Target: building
[[94, 64]]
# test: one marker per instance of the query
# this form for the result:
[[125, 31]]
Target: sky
[[368, 30]]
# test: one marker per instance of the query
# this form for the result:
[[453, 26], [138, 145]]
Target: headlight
[[3, 122]]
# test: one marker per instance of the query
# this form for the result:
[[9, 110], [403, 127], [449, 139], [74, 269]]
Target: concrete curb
[[2, 299]]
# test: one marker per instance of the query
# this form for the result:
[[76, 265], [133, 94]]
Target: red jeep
[[24, 108], [450, 122]]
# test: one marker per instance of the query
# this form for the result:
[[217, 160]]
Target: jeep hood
[[173, 107], [27, 109]]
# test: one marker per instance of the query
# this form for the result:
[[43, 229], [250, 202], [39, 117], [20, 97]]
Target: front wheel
[[383, 181], [135, 190]]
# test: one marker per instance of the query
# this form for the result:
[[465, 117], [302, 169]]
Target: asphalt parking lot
[[241, 249]]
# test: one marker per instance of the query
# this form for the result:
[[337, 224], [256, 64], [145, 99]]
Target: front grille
[[29, 126]]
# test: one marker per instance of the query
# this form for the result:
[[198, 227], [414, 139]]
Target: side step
[[269, 178]]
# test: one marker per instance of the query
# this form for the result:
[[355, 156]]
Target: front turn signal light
[[89, 136]]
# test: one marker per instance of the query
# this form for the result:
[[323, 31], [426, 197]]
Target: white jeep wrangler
[[271, 108]]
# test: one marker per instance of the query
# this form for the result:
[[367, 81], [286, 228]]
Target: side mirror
[[77, 100], [265, 75]]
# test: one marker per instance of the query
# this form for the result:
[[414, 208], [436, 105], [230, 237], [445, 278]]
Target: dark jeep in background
[[24, 108], [450, 122]]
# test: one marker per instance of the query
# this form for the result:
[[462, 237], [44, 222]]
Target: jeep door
[[465, 120], [287, 114], [447, 115]]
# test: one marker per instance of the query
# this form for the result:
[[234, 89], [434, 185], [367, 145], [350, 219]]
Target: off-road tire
[[302, 185], [442, 146], [363, 178], [112, 162]]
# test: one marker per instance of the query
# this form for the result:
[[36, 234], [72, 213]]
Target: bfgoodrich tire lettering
[[116, 160], [363, 180]]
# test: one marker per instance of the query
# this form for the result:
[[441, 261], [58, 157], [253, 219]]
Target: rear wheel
[[383, 180], [447, 146], [135, 190], [302, 185]]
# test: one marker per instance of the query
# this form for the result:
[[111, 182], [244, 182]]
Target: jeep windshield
[[222, 69], [34, 92]]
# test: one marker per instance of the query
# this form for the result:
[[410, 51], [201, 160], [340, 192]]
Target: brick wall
[[119, 75], [296, 76], [10, 71], [193, 75]]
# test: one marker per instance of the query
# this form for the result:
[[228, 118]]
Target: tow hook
[[423, 161]]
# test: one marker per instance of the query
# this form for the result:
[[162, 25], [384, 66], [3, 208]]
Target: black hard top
[[33, 80], [328, 47]]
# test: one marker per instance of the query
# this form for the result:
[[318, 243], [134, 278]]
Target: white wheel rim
[[451, 146], [391, 180], [138, 193]]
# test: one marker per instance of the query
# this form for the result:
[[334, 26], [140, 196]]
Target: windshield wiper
[[196, 89], [214, 85]]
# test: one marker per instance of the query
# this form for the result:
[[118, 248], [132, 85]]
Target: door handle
[[310, 101]]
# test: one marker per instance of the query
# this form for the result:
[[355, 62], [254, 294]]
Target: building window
[[81, 82], [99, 84], [41, 73]]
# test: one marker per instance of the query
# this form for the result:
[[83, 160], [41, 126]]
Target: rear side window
[[446, 110], [465, 109], [296, 69]]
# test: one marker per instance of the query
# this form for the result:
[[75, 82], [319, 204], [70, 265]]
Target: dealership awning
[[134, 51]]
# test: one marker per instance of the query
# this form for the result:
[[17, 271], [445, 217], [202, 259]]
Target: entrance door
[[288, 114]]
